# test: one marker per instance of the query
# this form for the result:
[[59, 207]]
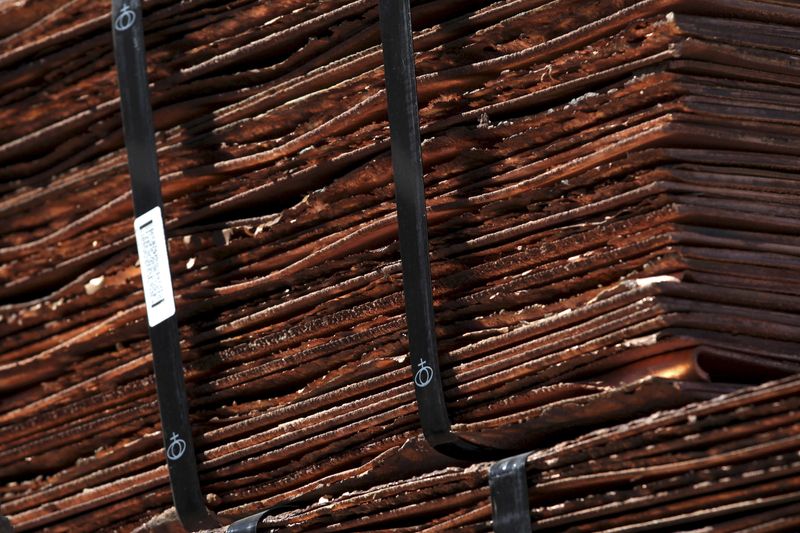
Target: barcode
[[154, 263]]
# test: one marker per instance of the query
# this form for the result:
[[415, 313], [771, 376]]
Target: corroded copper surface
[[612, 192]]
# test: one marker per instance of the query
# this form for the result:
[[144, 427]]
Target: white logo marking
[[125, 19], [176, 448], [424, 375]]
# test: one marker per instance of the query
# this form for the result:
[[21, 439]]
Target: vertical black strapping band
[[508, 481], [401, 89], [129, 51], [507, 477]]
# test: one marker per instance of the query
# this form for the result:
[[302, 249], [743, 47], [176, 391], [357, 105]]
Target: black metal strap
[[508, 481], [401, 89], [249, 524], [252, 522], [129, 51]]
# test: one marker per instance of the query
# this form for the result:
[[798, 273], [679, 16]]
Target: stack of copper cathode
[[613, 208], [727, 464]]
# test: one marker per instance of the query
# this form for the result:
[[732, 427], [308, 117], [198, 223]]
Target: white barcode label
[[154, 263]]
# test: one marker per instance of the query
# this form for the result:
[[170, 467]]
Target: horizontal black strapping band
[[251, 523], [129, 51], [401, 89], [508, 481], [248, 524]]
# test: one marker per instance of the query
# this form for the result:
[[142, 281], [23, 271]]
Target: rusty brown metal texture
[[613, 197]]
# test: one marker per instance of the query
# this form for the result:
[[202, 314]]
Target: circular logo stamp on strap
[[424, 375], [177, 448], [125, 19]]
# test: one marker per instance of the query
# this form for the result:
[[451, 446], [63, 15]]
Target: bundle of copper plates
[[613, 207], [727, 464]]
